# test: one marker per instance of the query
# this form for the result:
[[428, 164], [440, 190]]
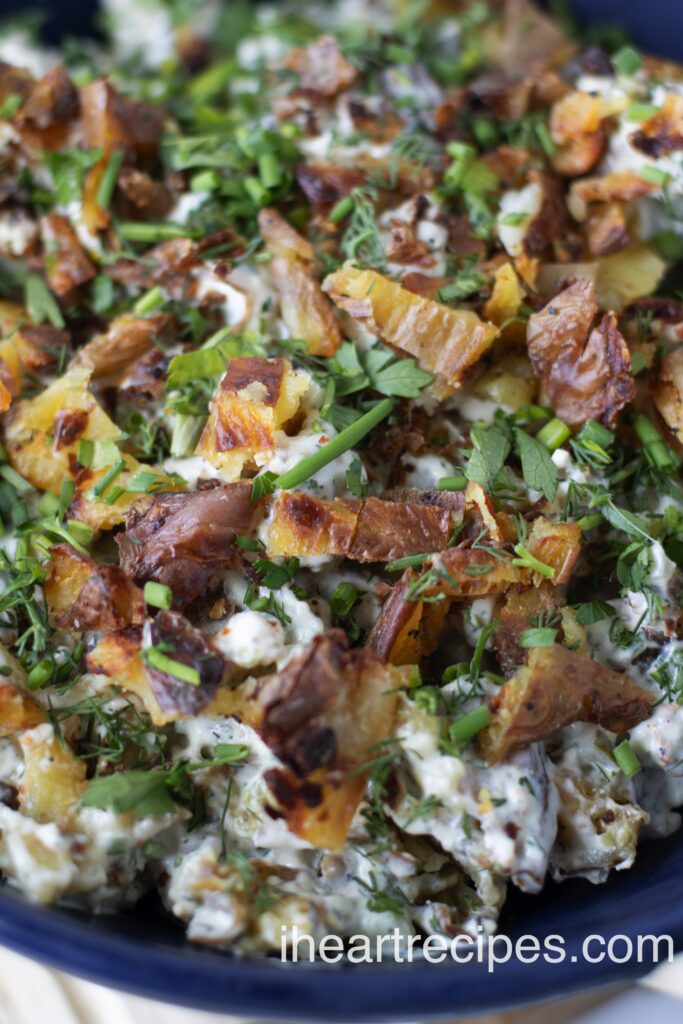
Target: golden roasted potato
[[254, 398], [18, 710], [81, 594], [510, 381], [503, 305], [306, 311], [407, 631], [445, 342], [558, 687], [324, 716], [53, 777], [667, 391], [370, 530], [20, 353], [126, 338], [43, 434]]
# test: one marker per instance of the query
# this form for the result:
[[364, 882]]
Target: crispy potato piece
[[304, 525], [66, 263], [164, 698], [506, 298], [42, 436], [445, 342], [370, 530], [667, 391], [607, 230], [577, 127], [20, 354], [662, 133], [126, 339], [81, 594], [510, 381], [117, 655], [607, 188], [111, 122], [53, 778], [558, 687], [557, 545], [585, 371], [306, 311], [18, 710], [254, 398], [406, 631], [619, 279], [323, 716], [185, 541]]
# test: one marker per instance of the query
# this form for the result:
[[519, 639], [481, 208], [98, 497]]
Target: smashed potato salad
[[341, 392]]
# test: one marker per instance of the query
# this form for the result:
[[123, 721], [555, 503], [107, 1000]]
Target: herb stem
[[658, 455], [348, 438], [109, 179]]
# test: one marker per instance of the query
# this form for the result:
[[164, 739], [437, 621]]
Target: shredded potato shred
[[342, 412]]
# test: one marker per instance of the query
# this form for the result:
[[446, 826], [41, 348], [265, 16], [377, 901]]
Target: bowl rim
[[192, 976]]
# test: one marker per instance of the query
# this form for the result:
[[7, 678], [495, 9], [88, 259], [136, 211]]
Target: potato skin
[[81, 594], [323, 715], [558, 687], [445, 342], [368, 530], [585, 371]]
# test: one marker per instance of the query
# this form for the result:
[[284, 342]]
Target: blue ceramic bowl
[[145, 952]]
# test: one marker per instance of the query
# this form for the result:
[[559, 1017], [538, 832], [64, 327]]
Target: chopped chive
[[269, 170], [114, 495], [655, 175], [515, 220], [143, 482], [85, 452], [66, 495], [341, 209], [248, 543], [641, 112], [627, 61], [589, 522], [19, 513], [39, 674], [307, 467], [657, 453], [466, 728], [452, 483], [82, 533], [151, 300], [525, 560], [205, 181], [108, 479], [158, 595], [109, 179], [16, 480], [343, 598], [48, 504], [157, 659], [407, 562], [546, 139], [554, 434], [626, 758], [255, 190], [185, 434], [40, 303], [143, 231], [398, 54], [539, 637]]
